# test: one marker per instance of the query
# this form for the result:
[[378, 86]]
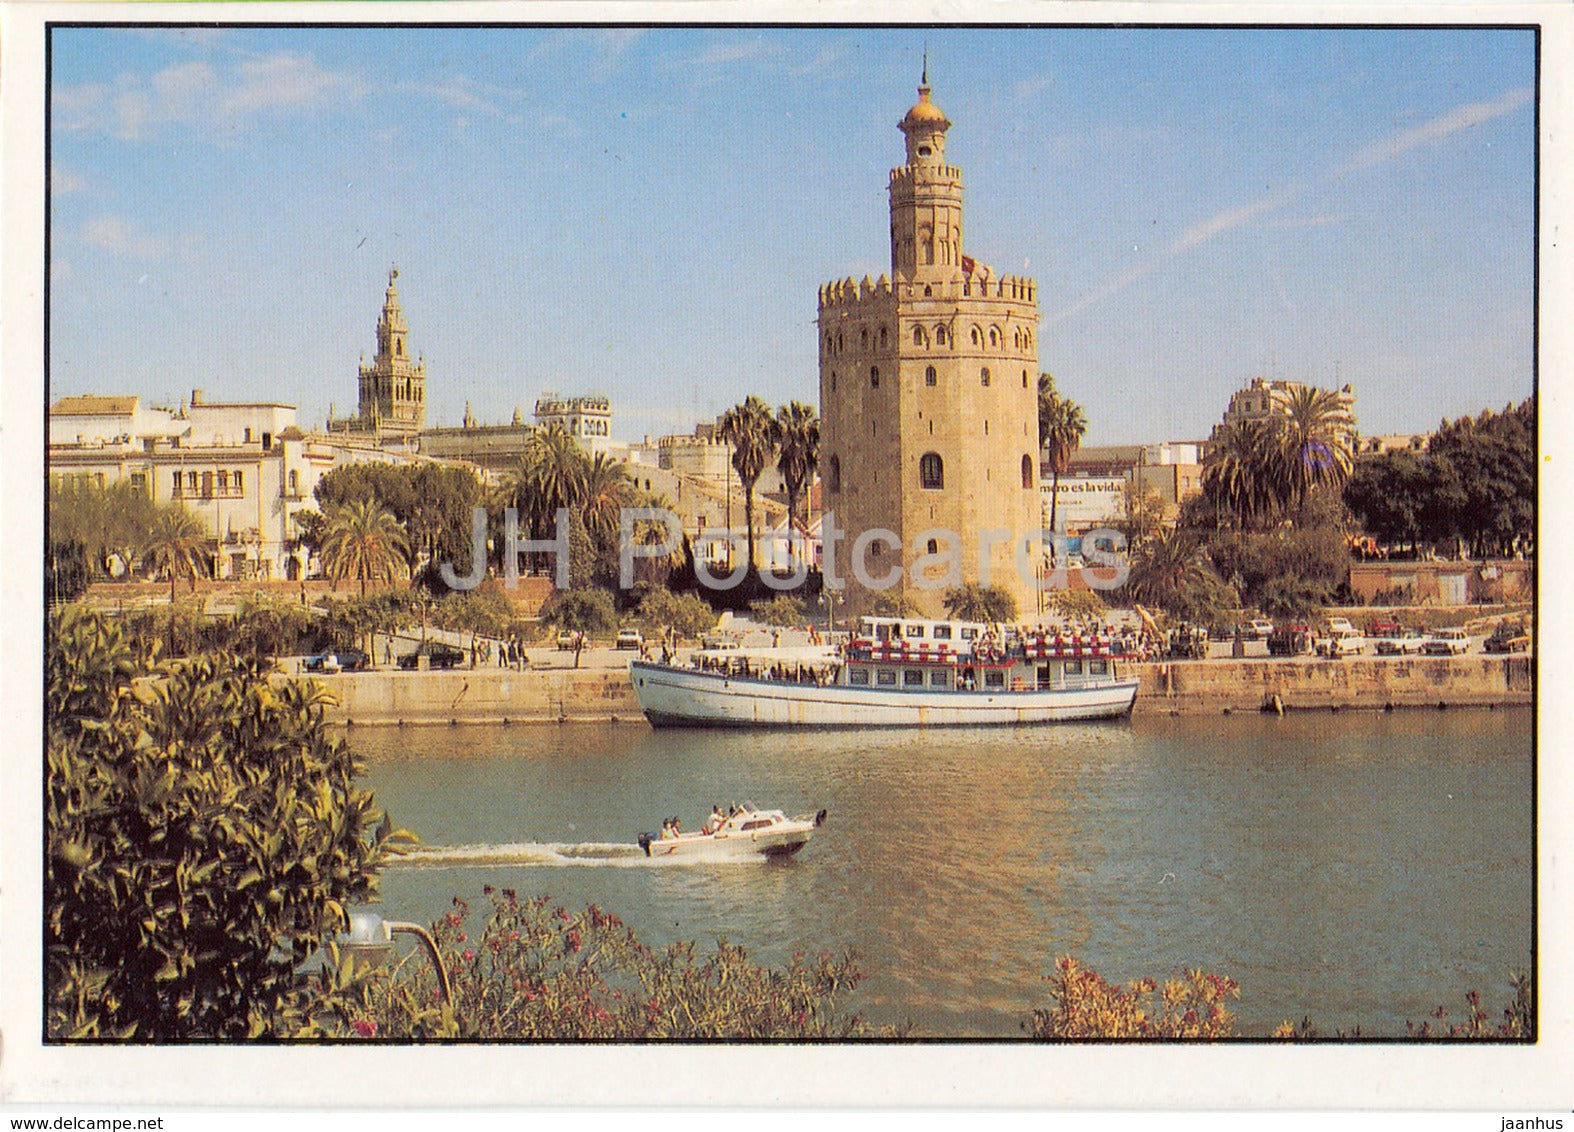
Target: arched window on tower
[[834, 480], [874, 377], [931, 471], [974, 335], [863, 337], [1024, 379], [833, 381], [882, 338], [994, 338], [930, 377], [940, 336], [918, 335], [1027, 472]]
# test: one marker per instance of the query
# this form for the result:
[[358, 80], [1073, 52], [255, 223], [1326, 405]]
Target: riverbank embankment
[[1213, 687]]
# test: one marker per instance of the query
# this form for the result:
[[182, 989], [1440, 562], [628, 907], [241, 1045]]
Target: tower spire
[[924, 81]]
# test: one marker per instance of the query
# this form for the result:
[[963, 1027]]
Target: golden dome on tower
[[925, 114]]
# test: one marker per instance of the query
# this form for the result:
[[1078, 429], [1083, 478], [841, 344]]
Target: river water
[[1359, 868]]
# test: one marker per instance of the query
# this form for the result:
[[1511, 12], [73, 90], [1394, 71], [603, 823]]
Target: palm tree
[[364, 540], [550, 476], [1060, 428], [1173, 572], [605, 490], [178, 543], [750, 429], [1314, 445], [973, 602], [651, 534], [798, 455], [1241, 469]]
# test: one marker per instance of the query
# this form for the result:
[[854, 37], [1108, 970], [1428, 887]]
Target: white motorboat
[[747, 832], [897, 672]]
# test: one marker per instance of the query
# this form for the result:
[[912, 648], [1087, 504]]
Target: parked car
[[344, 660], [718, 640], [1259, 627], [1342, 643], [1507, 637], [1405, 642], [630, 639], [1379, 627], [1447, 642], [1338, 625], [1290, 640], [438, 655], [566, 640]]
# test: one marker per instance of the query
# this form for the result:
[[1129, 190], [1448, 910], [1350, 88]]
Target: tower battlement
[[849, 296]]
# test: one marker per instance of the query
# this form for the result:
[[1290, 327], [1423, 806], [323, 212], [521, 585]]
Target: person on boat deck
[[714, 822]]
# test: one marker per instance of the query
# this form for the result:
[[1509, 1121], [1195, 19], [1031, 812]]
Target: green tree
[[973, 602], [550, 477], [783, 610], [1060, 429], [203, 835], [1173, 572], [1313, 444], [687, 614], [749, 428], [797, 436], [364, 541], [66, 572], [581, 611], [177, 545], [1238, 472]]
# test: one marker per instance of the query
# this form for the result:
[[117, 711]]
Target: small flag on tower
[[968, 264]]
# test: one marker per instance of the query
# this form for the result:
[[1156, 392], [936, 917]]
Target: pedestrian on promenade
[[387, 651]]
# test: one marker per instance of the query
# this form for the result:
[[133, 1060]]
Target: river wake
[[613, 854]]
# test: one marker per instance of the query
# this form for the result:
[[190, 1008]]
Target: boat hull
[[738, 846], [678, 697]]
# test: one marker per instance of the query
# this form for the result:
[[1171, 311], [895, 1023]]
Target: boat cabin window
[[1073, 668], [858, 676], [913, 631], [912, 677], [1098, 667], [940, 678], [748, 825], [942, 632], [969, 634], [882, 632], [885, 677], [994, 679]]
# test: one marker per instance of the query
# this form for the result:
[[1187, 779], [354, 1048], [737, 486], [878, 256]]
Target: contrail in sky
[[1377, 153]]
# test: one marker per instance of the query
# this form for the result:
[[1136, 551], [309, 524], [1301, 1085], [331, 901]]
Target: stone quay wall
[[1212, 687]]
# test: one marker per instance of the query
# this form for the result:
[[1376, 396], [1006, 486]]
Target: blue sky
[[649, 212]]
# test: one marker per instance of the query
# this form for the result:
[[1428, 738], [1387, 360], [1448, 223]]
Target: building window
[[1027, 472], [932, 547], [886, 677], [918, 335], [995, 679], [994, 338], [874, 376], [833, 381], [928, 291], [835, 479], [983, 376], [942, 632], [912, 677], [940, 338], [139, 481], [858, 677], [191, 481], [975, 335], [863, 338], [207, 485], [940, 678], [295, 482], [248, 436], [238, 484], [224, 481], [930, 377], [174, 488], [931, 471], [882, 338]]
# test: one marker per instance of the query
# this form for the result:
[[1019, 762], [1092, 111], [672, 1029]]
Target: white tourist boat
[[747, 832], [897, 672]]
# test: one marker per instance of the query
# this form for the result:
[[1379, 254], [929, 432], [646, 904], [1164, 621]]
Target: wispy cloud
[[1027, 88], [735, 51], [119, 236], [63, 181], [202, 95], [1262, 209], [1461, 118]]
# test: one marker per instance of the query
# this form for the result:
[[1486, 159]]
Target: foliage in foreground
[[203, 833], [538, 972], [1087, 1008]]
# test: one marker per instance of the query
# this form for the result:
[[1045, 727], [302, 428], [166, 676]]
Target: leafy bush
[[687, 614], [590, 611], [781, 610], [538, 972], [203, 832], [1078, 605], [1088, 1008], [973, 602]]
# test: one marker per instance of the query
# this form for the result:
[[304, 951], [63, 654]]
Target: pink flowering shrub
[[1087, 1008]]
